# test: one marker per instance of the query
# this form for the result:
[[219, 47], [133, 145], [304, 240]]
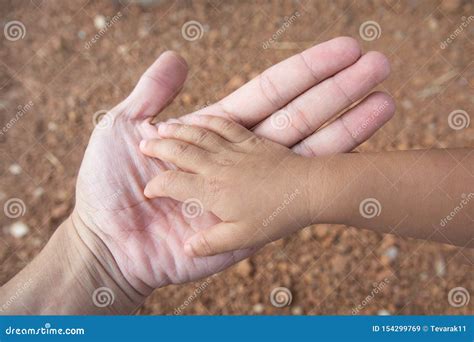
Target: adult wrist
[[68, 277], [94, 266]]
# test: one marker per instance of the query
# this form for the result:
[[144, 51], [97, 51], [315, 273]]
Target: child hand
[[255, 186]]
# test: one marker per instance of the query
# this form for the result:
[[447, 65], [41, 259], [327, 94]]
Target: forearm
[[425, 194], [66, 278]]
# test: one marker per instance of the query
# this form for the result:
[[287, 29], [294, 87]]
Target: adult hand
[[287, 103]]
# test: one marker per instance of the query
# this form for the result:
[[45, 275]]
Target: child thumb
[[220, 238]]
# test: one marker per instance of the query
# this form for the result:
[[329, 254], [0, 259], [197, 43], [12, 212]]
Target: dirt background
[[328, 269]]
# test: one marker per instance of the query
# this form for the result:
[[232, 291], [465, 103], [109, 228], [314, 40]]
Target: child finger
[[220, 238], [175, 184], [182, 154], [198, 136], [227, 129]]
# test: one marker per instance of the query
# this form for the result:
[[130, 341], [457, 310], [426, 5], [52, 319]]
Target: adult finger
[[305, 114], [279, 84], [351, 129]]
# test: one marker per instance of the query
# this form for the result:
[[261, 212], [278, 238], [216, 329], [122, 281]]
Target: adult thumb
[[158, 86]]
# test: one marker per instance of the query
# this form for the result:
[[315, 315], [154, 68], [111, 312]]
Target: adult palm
[[287, 103]]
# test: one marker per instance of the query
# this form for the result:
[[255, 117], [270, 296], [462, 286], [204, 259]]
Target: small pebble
[[15, 169], [99, 22], [52, 126], [440, 267], [81, 35], [258, 308], [244, 268], [391, 253], [38, 192], [433, 24], [19, 229], [297, 311], [407, 104], [383, 312]]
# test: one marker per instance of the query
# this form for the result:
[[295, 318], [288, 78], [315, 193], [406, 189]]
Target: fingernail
[[142, 144]]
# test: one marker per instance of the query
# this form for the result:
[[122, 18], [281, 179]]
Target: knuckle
[[225, 125], [180, 131], [225, 161], [206, 247], [214, 188], [253, 140], [179, 148], [201, 135]]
